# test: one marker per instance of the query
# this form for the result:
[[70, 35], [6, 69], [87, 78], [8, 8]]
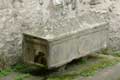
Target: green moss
[[91, 70], [22, 76], [19, 67], [5, 72], [105, 51], [116, 53], [63, 77], [15, 68]]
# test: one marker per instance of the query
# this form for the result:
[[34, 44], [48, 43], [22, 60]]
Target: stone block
[[56, 50]]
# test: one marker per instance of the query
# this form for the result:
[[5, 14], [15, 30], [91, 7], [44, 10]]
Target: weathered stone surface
[[17, 16], [62, 46]]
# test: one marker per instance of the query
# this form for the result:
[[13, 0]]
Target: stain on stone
[[94, 2], [73, 4], [67, 2], [13, 1], [41, 2]]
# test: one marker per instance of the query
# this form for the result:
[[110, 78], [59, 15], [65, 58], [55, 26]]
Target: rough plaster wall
[[111, 12], [114, 20], [17, 16]]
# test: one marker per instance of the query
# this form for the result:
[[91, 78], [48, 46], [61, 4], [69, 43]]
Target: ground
[[96, 67]]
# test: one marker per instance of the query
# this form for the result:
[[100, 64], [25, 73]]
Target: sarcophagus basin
[[55, 51]]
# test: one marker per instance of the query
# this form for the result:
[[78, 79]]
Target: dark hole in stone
[[40, 58]]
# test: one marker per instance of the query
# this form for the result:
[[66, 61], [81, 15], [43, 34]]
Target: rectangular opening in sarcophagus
[[34, 50]]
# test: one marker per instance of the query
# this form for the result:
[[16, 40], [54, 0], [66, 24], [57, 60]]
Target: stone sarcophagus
[[55, 51]]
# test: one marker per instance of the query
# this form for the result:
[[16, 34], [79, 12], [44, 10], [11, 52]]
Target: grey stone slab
[[65, 47]]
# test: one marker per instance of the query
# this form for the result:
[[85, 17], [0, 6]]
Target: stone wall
[[17, 16]]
